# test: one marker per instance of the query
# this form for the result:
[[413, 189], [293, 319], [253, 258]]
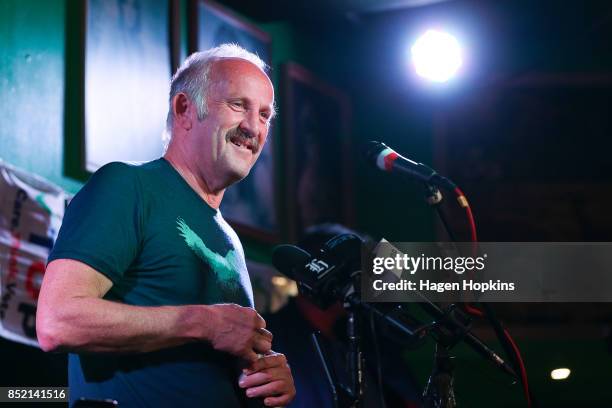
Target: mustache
[[243, 137]]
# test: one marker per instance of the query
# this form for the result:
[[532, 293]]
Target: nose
[[250, 124]]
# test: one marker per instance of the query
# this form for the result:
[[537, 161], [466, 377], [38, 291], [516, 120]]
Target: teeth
[[237, 143]]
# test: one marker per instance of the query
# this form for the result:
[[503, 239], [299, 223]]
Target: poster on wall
[[31, 212], [318, 175], [127, 75], [249, 205]]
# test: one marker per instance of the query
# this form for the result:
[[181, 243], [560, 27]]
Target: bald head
[[193, 77], [226, 72]]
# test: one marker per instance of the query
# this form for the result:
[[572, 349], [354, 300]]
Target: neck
[[197, 183]]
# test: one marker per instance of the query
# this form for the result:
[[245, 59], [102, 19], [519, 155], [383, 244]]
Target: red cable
[[463, 202], [473, 311], [476, 312], [521, 365], [468, 210]]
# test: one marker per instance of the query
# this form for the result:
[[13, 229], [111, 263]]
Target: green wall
[[32, 87]]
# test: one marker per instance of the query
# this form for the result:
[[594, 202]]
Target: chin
[[239, 174]]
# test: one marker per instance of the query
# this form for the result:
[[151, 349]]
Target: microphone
[[288, 258], [387, 159], [328, 277]]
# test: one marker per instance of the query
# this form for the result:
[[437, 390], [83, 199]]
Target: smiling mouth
[[242, 144], [242, 141]]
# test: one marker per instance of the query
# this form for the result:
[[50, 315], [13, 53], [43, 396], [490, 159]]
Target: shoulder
[[117, 175], [140, 171], [114, 179], [118, 171]]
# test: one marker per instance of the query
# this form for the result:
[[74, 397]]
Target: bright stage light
[[437, 56], [560, 373]]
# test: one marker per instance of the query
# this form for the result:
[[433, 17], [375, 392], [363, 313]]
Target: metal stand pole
[[355, 357], [439, 392]]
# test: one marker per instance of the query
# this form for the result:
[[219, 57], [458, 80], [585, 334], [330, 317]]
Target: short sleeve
[[102, 224]]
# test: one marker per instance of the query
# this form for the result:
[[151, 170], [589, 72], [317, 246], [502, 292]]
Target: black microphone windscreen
[[286, 257], [344, 246]]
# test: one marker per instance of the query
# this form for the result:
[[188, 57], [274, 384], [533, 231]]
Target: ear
[[183, 110]]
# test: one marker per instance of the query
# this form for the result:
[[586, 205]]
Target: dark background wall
[[363, 53]]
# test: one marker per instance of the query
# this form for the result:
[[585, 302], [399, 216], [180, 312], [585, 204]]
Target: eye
[[237, 104]]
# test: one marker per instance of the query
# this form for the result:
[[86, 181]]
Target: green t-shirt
[[160, 244]]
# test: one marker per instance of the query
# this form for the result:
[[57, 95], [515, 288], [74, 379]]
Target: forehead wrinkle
[[226, 71]]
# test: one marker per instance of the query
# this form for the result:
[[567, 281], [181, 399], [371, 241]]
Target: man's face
[[230, 139]]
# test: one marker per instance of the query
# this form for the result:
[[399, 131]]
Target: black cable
[[328, 373], [378, 361], [444, 220], [505, 343]]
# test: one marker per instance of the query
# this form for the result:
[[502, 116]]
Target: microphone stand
[[439, 391], [450, 326], [433, 197], [355, 357], [352, 394], [355, 361]]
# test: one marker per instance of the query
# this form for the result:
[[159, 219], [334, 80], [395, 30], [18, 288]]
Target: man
[[147, 285]]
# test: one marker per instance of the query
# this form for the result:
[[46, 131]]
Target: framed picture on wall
[[127, 71], [250, 205], [316, 126]]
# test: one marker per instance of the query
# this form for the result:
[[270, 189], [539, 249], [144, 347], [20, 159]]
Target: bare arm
[[72, 316]]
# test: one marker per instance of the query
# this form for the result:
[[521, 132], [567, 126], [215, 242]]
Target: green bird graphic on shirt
[[223, 267]]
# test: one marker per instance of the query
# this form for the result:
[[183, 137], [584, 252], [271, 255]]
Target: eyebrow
[[269, 108]]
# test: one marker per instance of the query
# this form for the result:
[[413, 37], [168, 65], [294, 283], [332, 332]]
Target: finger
[[250, 357], [265, 333], [262, 345], [268, 361], [266, 390], [256, 379], [260, 321], [263, 377], [279, 401]]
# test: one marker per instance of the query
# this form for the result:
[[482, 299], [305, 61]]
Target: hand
[[270, 378], [239, 331]]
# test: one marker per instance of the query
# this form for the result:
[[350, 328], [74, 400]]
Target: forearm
[[85, 324], [72, 315]]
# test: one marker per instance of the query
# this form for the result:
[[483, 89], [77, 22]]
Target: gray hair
[[192, 78]]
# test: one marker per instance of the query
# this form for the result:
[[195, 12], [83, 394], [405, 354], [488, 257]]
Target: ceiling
[[313, 9], [542, 34]]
